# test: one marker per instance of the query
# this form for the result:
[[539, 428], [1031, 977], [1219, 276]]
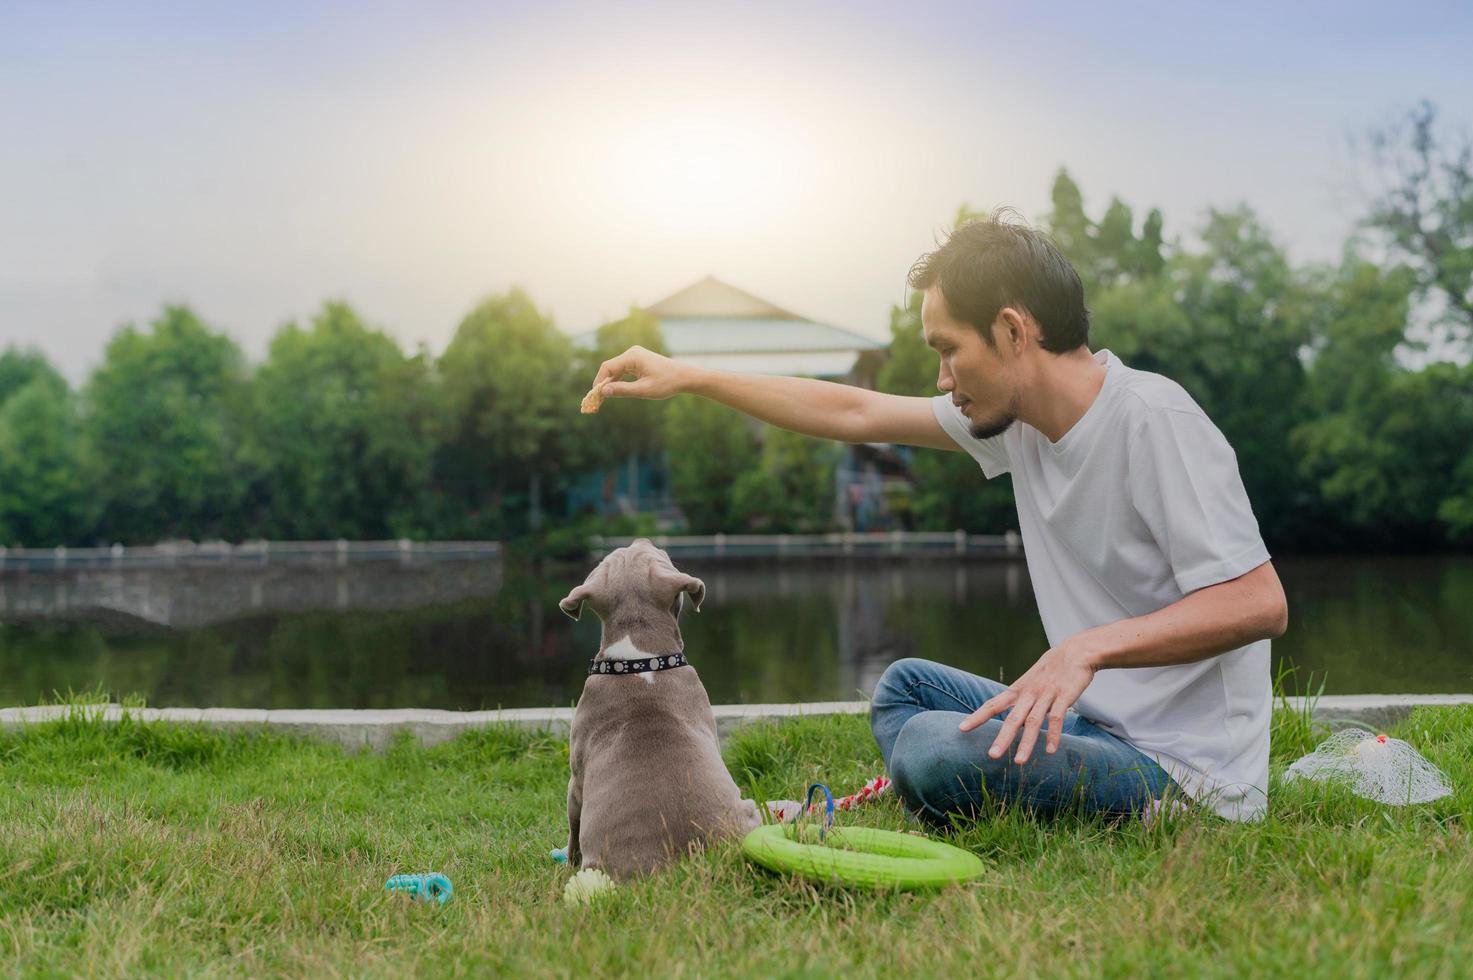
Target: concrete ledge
[[375, 729]]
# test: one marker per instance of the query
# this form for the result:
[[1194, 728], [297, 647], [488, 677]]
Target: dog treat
[[592, 401]]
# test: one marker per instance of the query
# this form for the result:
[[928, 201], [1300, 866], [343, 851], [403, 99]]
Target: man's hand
[[1045, 692], [656, 376]]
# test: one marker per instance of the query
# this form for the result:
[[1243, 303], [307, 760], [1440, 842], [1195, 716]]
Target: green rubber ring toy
[[860, 856]]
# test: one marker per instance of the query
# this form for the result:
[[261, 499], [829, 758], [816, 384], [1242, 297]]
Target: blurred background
[[340, 273]]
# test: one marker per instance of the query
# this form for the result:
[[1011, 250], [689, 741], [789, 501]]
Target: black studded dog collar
[[662, 662]]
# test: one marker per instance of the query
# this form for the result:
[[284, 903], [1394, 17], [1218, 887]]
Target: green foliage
[[41, 500], [19, 368], [163, 427], [1106, 253], [511, 399], [791, 489], [951, 494], [710, 447], [341, 430], [911, 367], [1425, 209], [1390, 450]]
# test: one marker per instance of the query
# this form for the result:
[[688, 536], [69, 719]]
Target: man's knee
[[899, 678], [892, 688], [926, 765]]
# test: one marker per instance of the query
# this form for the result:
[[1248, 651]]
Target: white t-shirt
[[1137, 505]]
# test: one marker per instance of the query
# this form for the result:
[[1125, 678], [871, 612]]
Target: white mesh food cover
[[1376, 767]]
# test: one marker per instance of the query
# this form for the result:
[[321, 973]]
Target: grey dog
[[648, 783]]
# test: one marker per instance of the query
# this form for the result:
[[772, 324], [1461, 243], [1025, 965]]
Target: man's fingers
[[623, 389], [609, 370], [1010, 727], [990, 707], [1030, 731], [1055, 728]]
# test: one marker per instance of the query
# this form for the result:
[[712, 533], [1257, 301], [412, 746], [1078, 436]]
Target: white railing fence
[[836, 544], [174, 553]]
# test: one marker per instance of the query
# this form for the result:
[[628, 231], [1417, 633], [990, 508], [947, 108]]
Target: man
[[1156, 592]]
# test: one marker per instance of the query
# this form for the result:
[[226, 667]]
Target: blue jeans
[[939, 771]]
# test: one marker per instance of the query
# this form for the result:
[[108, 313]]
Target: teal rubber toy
[[432, 887]]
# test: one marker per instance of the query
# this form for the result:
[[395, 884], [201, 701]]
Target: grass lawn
[[135, 848]]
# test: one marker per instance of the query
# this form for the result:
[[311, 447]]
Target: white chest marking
[[626, 650]]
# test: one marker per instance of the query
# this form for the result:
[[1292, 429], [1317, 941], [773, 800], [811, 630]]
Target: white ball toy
[[587, 885]]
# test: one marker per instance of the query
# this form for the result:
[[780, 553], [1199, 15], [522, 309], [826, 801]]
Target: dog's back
[[648, 772]]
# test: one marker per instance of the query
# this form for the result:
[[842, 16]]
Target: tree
[[1106, 253], [1358, 315], [1149, 258], [342, 431], [1068, 225], [910, 368], [43, 498], [511, 395], [791, 489], [19, 368], [1425, 209], [710, 448], [162, 425]]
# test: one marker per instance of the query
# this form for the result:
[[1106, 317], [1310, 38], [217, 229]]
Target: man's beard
[[994, 428], [999, 425]]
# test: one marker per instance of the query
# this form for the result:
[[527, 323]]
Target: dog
[[648, 784]]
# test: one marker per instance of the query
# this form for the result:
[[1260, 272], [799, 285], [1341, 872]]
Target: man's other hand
[[656, 376], [1042, 694]]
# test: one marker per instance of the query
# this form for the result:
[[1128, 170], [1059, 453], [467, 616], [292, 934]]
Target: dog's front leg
[[575, 810]]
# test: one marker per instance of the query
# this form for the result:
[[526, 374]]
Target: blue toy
[[433, 887]]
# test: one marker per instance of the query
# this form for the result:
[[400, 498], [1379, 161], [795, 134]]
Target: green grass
[[136, 848]]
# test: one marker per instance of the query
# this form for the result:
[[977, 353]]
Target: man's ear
[[1012, 329], [592, 587]]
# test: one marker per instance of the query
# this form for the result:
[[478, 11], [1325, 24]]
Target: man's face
[[978, 378]]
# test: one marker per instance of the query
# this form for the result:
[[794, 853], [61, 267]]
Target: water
[[474, 635]]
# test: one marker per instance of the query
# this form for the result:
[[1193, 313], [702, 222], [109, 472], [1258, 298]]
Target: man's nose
[[944, 381]]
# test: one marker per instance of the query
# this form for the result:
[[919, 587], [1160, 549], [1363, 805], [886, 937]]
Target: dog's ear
[[673, 582], [592, 587]]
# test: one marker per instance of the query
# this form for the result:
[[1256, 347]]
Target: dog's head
[[637, 580]]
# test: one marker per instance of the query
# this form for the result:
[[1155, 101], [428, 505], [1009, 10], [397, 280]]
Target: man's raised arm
[[814, 408]]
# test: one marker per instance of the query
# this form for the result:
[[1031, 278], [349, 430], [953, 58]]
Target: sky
[[254, 160]]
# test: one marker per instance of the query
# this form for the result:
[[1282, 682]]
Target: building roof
[[715, 324], [713, 298]]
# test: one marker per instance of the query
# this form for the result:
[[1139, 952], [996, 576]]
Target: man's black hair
[[989, 263]]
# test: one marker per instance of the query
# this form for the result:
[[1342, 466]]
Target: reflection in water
[[472, 635]]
